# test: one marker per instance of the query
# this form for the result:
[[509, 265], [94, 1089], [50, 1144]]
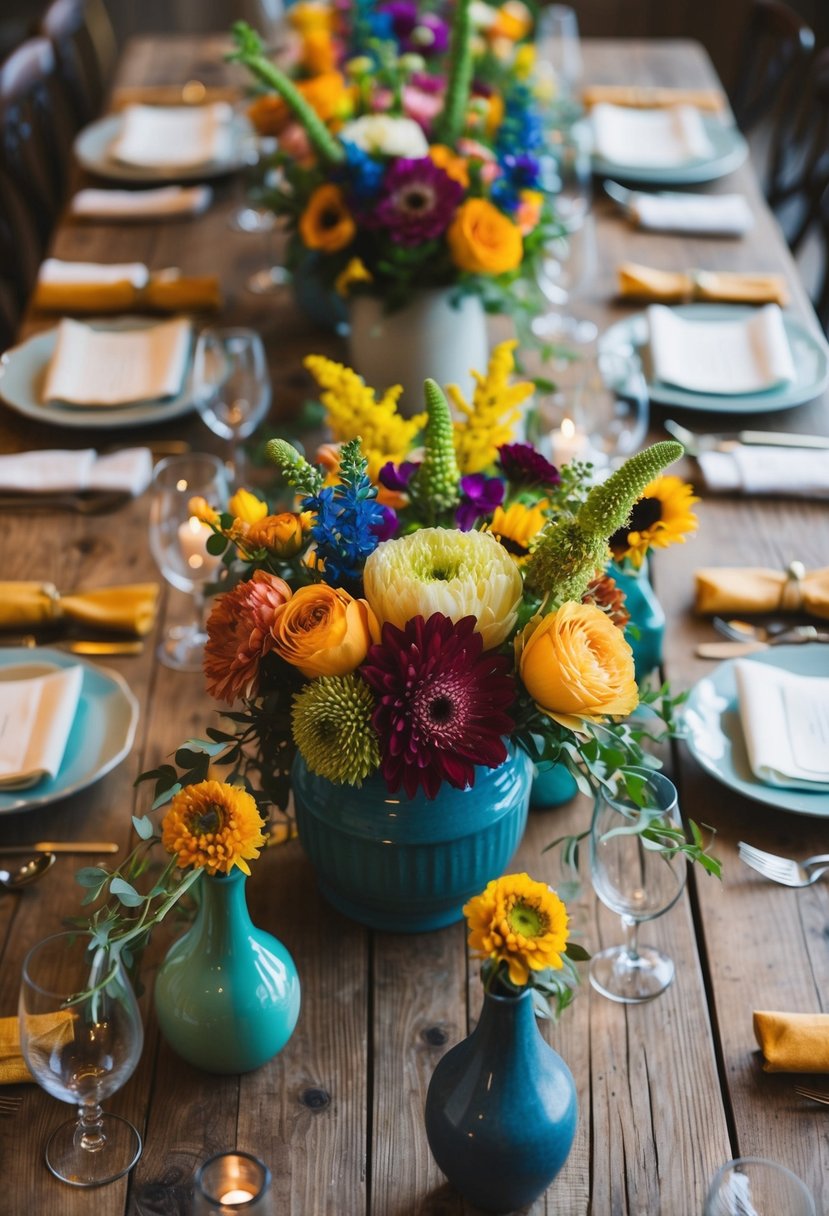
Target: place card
[[785, 721], [113, 367], [725, 357], [36, 716]]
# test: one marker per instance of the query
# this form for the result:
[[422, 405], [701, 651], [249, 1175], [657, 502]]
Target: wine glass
[[178, 541], [636, 880], [81, 1049], [753, 1186], [558, 50], [232, 388], [612, 404]]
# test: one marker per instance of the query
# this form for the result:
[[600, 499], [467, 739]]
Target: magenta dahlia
[[441, 703], [417, 202]]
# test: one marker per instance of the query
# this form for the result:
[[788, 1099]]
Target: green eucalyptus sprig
[[552, 990]]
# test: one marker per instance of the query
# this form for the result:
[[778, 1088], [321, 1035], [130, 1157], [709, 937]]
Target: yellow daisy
[[214, 826], [520, 922], [662, 517]]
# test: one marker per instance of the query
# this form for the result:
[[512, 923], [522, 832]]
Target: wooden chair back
[[777, 47], [82, 36]]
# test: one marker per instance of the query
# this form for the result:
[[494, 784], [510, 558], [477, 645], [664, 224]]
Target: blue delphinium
[[518, 172], [363, 173], [522, 128], [349, 521]]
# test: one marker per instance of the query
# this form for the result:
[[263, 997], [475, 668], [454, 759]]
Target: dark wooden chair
[[20, 252], [778, 46], [81, 34]]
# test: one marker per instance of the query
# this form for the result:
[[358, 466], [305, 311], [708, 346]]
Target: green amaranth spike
[[296, 470], [453, 119], [436, 485], [250, 52], [571, 551]]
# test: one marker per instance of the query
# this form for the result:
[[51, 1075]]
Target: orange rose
[[576, 664], [450, 162], [280, 534], [326, 223], [324, 631], [483, 240]]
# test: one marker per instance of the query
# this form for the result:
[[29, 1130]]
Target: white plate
[[92, 146], [715, 736], [810, 353], [22, 372], [729, 151], [101, 734]]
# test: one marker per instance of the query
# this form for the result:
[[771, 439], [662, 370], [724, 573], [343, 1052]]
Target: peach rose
[[576, 664], [483, 240], [324, 631]]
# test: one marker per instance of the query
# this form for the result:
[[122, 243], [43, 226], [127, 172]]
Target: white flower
[[442, 570], [482, 15], [388, 136]]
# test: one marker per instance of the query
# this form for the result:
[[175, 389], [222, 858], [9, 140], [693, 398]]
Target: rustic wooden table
[[667, 1090]]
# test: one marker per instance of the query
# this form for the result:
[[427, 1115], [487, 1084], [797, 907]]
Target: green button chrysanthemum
[[331, 721]]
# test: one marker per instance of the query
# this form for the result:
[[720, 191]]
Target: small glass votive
[[232, 1183]]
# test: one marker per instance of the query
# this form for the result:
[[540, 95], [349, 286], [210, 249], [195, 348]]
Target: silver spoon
[[30, 871]]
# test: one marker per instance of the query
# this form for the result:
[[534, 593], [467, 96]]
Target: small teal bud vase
[[227, 994], [501, 1108], [646, 614], [408, 865]]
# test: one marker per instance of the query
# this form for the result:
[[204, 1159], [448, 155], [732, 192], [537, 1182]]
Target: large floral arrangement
[[411, 155]]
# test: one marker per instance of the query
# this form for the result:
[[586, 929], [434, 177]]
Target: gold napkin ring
[[791, 593]]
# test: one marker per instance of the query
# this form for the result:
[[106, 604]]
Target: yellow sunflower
[[517, 527], [520, 922], [662, 517], [213, 826]]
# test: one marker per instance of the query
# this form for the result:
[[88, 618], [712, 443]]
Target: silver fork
[[10, 1106], [784, 870], [814, 1094]]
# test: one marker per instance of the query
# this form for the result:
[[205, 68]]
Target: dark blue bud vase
[[227, 993], [646, 614], [501, 1109]]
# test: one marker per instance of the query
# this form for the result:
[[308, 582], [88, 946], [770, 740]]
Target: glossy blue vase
[[227, 994], [553, 785], [501, 1109], [408, 865], [317, 299], [646, 614]]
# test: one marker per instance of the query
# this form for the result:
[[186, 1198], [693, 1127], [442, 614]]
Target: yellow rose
[[326, 223], [202, 510], [483, 240], [324, 631], [280, 534], [575, 663], [247, 507]]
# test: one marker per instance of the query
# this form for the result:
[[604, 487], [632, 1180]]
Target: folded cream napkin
[[755, 469], [793, 1042], [88, 287], [52, 1029], [650, 138], [56, 471], [725, 357], [166, 202], [651, 97], [697, 214], [673, 287], [730, 589], [171, 137], [108, 367], [785, 721], [128, 609], [36, 716]]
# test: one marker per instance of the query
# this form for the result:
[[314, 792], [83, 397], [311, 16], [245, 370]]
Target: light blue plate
[[729, 152], [92, 146], [715, 736], [22, 374], [809, 352], [101, 734]]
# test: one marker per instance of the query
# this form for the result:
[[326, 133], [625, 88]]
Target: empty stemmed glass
[[178, 540], [634, 877], [81, 1049], [232, 388], [753, 1186], [558, 51], [613, 406]]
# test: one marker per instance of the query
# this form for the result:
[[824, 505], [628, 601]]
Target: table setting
[[302, 950]]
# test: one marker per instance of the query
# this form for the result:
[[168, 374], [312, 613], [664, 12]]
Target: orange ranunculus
[[319, 54], [483, 240], [328, 94], [280, 534], [452, 164], [326, 632], [576, 664], [326, 223], [307, 17]]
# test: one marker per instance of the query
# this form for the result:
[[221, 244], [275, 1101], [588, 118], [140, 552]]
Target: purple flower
[[417, 202], [397, 476], [427, 34], [427, 83], [481, 495], [523, 465], [386, 528]]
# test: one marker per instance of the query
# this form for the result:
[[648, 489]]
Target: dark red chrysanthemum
[[442, 703], [523, 465]]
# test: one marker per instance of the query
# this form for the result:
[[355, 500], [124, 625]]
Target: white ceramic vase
[[437, 335]]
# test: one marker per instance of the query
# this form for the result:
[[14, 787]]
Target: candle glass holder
[[753, 1186], [232, 1182]]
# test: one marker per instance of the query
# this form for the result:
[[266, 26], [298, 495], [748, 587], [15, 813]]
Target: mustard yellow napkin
[[128, 609], [727, 589], [162, 293], [675, 287], [793, 1042], [644, 97], [52, 1029]]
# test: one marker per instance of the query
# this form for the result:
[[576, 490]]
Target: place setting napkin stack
[[83, 471], [162, 203], [637, 282], [130, 608], [52, 1030], [173, 137], [759, 590], [130, 287]]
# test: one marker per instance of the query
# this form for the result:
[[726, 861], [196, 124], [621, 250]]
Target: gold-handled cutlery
[[60, 846], [814, 1095], [89, 646], [9, 1104]]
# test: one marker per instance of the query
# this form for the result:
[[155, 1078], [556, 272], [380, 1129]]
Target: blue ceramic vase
[[646, 614], [315, 298], [501, 1109], [408, 865], [553, 785], [227, 994]]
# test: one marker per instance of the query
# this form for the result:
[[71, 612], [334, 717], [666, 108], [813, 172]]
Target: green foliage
[[296, 470]]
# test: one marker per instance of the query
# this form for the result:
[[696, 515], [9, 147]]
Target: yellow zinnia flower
[[520, 922], [660, 518], [213, 826], [326, 223]]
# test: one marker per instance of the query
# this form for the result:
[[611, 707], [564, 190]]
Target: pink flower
[[422, 107]]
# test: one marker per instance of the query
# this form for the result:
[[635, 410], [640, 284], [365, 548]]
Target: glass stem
[[89, 1134], [631, 931]]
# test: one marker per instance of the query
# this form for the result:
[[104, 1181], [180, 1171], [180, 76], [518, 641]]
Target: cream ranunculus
[[575, 663], [442, 570], [382, 134]]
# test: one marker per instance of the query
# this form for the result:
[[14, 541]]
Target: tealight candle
[[237, 1196], [193, 536], [567, 442], [232, 1182]]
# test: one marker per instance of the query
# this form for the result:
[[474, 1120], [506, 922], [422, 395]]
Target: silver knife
[[694, 443]]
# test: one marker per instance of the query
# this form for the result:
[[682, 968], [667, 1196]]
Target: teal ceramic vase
[[501, 1109], [646, 615], [227, 994], [553, 785], [408, 865], [316, 298]]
